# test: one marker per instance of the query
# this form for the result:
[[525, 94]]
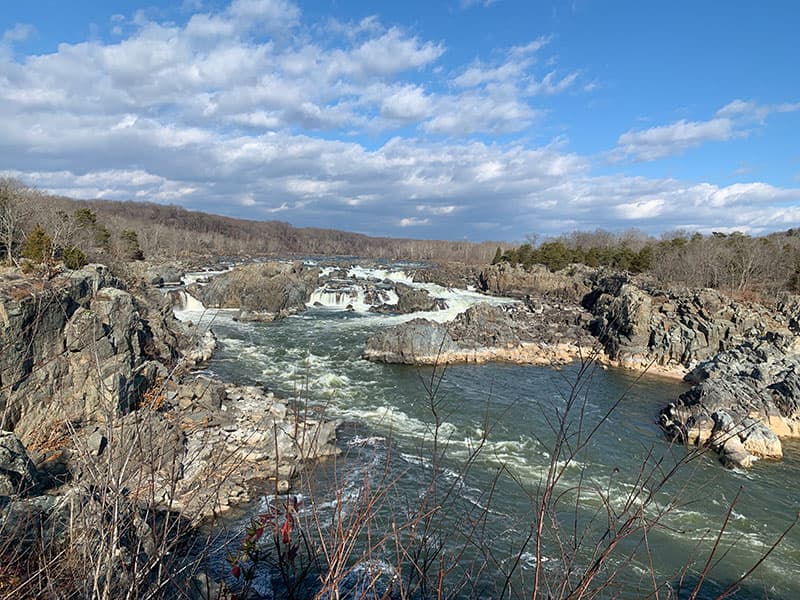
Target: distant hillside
[[174, 232]]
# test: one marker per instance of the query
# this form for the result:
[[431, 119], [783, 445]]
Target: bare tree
[[14, 210]]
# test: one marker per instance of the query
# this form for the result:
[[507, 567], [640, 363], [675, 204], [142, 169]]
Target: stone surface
[[536, 332], [751, 392], [640, 323], [264, 288], [413, 299], [17, 473]]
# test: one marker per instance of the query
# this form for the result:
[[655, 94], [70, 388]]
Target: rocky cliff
[[641, 324], [744, 399], [98, 394], [542, 332]]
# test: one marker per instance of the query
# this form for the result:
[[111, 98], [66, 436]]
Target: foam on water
[[398, 276], [198, 276]]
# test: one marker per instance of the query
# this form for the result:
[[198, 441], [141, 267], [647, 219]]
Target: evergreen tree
[[130, 245], [498, 256], [73, 257], [38, 245]]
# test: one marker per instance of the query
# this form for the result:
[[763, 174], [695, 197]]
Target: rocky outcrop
[[641, 324], [744, 400], [95, 371], [419, 341], [411, 299], [504, 279], [542, 332], [199, 445], [159, 274], [78, 348], [449, 275], [277, 288]]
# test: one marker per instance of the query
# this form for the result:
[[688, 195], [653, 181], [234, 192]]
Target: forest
[[741, 265], [105, 229], [41, 228]]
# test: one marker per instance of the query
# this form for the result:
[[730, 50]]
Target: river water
[[388, 416]]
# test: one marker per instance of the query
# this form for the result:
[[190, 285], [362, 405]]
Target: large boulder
[[413, 299], [278, 288], [418, 341]]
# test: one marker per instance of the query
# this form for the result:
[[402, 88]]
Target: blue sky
[[460, 119]]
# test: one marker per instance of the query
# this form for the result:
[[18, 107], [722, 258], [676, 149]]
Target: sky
[[457, 119]]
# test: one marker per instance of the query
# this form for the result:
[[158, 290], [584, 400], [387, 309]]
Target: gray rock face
[[409, 342], [450, 275], [17, 473], [81, 348], [413, 299], [638, 322], [262, 288], [750, 392], [164, 274], [482, 328]]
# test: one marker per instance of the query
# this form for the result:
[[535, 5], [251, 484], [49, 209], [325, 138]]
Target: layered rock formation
[[543, 332], [744, 400], [641, 324], [92, 373], [261, 291]]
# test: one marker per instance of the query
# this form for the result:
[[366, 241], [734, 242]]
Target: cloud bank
[[252, 111]]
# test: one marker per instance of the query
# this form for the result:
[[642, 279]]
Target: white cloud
[[470, 3], [161, 115], [665, 140], [414, 222], [19, 33], [408, 103], [272, 15], [733, 120], [552, 84], [640, 209]]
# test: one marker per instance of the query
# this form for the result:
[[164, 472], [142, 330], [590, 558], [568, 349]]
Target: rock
[[413, 299], [164, 274], [759, 440], [550, 331], [96, 443], [263, 288], [640, 323], [751, 390], [17, 473], [449, 275], [256, 316], [416, 342]]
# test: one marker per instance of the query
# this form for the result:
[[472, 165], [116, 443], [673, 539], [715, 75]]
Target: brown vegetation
[[133, 230]]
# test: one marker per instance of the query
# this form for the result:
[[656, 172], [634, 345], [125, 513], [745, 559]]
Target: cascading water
[[319, 352]]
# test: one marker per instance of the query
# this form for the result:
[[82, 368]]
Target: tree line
[[736, 263], [104, 230]]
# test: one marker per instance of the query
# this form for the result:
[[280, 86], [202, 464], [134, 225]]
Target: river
[[388, 427]]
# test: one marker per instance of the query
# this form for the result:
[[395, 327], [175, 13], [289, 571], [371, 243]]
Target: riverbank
[[103, 414]]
